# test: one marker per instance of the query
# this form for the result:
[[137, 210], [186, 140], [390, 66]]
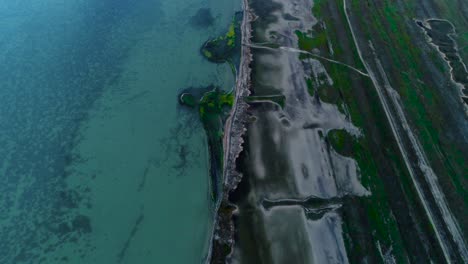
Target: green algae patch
[[231, 35], [213, 107], [223, 48], [207, 54], [214, 102]]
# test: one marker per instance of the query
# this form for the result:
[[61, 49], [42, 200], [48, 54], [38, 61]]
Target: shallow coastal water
[[98, 162]]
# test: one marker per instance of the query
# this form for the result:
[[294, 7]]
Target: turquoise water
[[98, 163]]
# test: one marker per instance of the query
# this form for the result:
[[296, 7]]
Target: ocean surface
[[98, 162]]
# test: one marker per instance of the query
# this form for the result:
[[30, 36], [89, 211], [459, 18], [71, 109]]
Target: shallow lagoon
[[98, 162]]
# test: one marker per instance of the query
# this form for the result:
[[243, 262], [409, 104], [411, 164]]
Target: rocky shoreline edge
[[222, 237]]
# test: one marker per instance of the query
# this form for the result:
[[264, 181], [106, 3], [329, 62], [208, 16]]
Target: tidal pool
[[98, 162]]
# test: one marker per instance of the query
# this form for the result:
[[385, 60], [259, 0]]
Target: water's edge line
[[232, 144]]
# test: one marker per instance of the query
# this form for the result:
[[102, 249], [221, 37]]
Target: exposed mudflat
[[356, 135], [289, 157]]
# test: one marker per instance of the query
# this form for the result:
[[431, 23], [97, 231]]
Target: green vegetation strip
[[212, 107], [383, 226], [222, 48]]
